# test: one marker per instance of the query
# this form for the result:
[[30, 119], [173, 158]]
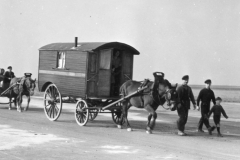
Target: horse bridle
[[167, 97]]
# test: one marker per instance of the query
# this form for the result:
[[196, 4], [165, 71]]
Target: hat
[[158, 74], [186, 77], [218, 99], [9, 67], [208, 81], [28, 74]]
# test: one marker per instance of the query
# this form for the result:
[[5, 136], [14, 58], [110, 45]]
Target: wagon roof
[[88, 46]]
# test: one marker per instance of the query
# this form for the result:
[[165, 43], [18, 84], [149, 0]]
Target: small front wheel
[[81, 113], [93, 114]]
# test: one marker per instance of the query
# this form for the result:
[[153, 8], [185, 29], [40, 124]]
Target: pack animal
[[157, 93], [25, 86]]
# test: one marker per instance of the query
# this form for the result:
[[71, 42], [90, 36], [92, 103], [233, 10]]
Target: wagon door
[[127, 66], [104, 75], [92, 74]]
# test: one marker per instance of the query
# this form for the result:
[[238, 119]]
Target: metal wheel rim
[[81, 114], [52, 102]]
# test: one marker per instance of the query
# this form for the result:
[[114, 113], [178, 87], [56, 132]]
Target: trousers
[[183, 116], [204, 117], [216, 119]]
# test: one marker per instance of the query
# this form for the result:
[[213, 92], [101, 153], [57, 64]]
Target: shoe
[[200, 131], [210, 130], [180, 133], [220, 135]]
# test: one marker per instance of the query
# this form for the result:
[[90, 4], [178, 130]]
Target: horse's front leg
[[153, 115], [149, 119], [28, 101], [19, 101], [124, 116], [15, 102], [10, 100]]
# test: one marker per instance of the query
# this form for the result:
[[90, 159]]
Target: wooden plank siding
[[68, 86], [68, 82], [47, 60], [76, 61]]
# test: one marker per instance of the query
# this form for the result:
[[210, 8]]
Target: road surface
[[30, 135]]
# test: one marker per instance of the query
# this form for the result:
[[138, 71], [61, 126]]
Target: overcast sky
[[198, 38]]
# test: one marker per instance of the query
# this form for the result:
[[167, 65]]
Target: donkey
[[157, 93], [25, 86]]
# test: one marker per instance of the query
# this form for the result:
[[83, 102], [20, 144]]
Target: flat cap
[[9, 67], [218, 98], [186, 77], [208, 81]]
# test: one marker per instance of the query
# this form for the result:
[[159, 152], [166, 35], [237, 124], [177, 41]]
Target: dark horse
[[148, 99], [25, 86]]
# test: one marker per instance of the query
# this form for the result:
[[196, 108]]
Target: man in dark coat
[[185, 95], [8, 75], [206, 95]]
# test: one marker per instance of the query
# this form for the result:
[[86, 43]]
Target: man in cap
[[206, 95], [185, 96], [8, 75]]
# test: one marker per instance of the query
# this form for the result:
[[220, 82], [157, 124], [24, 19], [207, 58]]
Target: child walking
[[217, 110]]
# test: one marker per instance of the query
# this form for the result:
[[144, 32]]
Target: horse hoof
[[129, 129], [149, 132], [25, 109], [10, 108], [119, 126]]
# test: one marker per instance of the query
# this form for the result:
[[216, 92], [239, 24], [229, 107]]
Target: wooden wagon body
[[84, 69]]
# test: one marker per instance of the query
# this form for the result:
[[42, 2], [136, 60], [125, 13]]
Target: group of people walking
[[206, 95]]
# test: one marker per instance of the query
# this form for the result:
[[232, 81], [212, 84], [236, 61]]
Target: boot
[[210, 130], [220, 135], [180, 133]]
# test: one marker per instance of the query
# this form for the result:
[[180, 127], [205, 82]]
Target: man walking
[[205, 96], [185, 96]]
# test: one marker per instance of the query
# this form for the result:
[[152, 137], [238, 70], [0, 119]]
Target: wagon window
[[61, 60], [105, 59]]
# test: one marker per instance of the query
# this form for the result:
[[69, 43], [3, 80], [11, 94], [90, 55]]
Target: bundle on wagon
[[90, 73]]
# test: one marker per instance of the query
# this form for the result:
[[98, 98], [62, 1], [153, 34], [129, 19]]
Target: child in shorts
[[217, 110]]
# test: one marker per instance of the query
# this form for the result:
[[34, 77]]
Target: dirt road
[[30, 135]]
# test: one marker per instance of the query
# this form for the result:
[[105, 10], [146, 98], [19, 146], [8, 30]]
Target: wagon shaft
[[122, 99]]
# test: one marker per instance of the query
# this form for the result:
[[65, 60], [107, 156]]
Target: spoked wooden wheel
[[52, 102], [81, 113], [93, 114], [116, 114]]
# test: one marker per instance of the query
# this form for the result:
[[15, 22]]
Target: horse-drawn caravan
[[92, 72]]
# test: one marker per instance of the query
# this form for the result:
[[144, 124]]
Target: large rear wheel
[[81, 113], [52, 102]]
